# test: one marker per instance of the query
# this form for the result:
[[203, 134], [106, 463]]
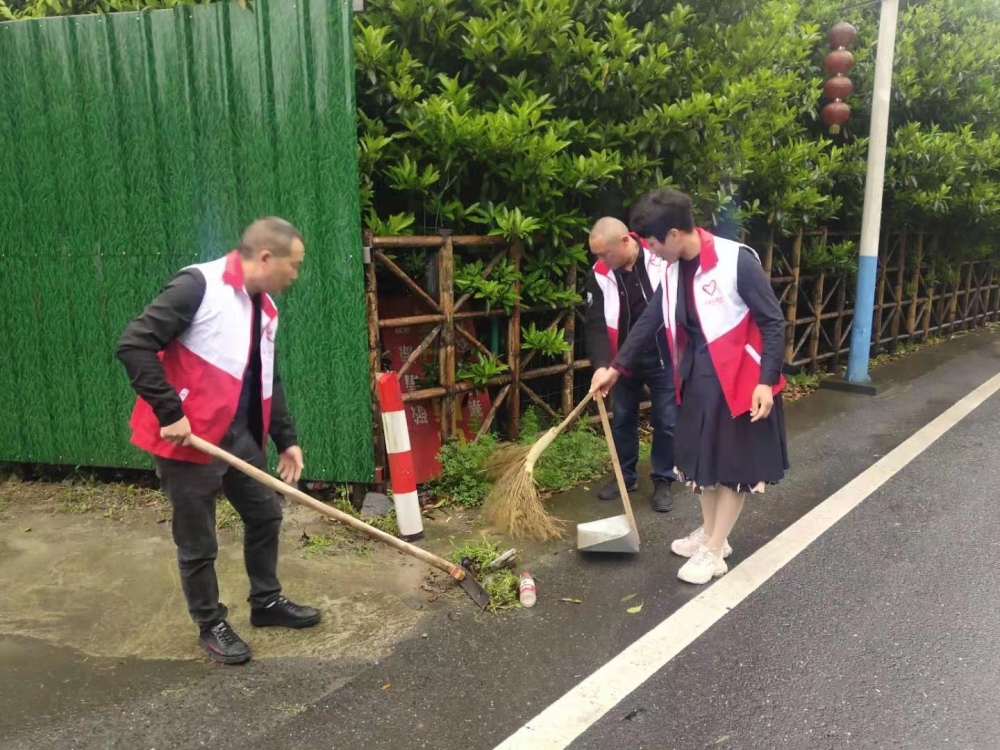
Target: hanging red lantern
[[839, 62], [842, 35], [835, 114], [838, 87]]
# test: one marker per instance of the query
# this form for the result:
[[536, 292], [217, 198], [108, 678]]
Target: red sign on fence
[[424, 417]]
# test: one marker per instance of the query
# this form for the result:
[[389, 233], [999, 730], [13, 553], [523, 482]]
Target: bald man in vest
[[622, 281], [201, 359]]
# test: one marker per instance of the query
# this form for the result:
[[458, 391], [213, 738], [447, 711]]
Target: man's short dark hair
[[269, 233], [659, 211]]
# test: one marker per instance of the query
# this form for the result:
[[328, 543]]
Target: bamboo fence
[[910, 306]]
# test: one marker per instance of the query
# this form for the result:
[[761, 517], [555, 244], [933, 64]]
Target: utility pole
[[861, 334]]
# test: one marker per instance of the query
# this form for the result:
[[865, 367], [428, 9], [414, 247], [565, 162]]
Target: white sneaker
[[702, 567], [687, 546]]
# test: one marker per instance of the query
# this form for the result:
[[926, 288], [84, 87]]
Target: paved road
[[877, 635], [882, 634]]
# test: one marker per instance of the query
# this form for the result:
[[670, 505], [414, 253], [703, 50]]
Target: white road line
[[572, 714]]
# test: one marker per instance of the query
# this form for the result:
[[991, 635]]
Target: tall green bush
[[569, 109]]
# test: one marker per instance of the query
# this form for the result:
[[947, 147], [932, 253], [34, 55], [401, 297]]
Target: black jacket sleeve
[[755, 289], [282, 429], [598, 347], [163, 320], [642, 337]]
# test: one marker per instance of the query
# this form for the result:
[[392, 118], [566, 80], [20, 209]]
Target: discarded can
[[505, 559], [526, 590]]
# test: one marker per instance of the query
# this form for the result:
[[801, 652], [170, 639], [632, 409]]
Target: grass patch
[[113, 500], [317, 544], [501, 584], [340, 541], [645, 449], [804, 380], [388, 523], [462, 481], [578, 455], [226, 517]]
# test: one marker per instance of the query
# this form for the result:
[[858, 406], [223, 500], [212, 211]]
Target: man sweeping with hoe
[[726, 336], [201, 359]]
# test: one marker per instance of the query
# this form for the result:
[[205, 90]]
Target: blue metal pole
[[864, 307]]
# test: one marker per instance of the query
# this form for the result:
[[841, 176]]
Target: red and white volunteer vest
[[734, 340], [606, 280], [207, 362]]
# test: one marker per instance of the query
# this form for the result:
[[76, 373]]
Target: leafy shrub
[[462, 480]]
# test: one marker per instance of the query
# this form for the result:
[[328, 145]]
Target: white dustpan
[[618, 533]]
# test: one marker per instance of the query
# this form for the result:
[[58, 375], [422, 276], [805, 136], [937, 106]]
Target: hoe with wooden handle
[[470, 585]]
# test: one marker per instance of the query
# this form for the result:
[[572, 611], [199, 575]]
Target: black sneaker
[[223, 645], [662, 499], [610, 490], [283, 614]]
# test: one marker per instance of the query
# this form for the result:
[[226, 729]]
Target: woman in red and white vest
[[725, 331]]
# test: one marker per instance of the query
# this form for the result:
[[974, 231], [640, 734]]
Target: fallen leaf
[[723, 738], [635, 610], [387, 685], [586, 488], [629, 597], [571, 601]]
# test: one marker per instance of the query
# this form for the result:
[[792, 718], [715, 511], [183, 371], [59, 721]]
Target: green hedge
[[568, 109]]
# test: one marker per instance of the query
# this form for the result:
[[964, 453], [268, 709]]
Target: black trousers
[[192, 490]]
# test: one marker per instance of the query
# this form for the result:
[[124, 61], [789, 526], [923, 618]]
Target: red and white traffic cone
[[397, 444]]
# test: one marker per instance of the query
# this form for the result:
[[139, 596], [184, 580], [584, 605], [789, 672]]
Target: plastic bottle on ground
[[526, 590]]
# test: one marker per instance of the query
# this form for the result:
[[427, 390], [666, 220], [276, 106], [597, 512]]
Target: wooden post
[[817, 331], [953, 306], [838, 323], [883, 267], [967, 306], [570, 328], [929, 309], [769, 254], [991, 311], [446, 352], [792, 313], [374, 351], [911, 316], [514, 351], [897, 314]]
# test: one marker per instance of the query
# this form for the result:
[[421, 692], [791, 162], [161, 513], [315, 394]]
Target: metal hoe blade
[[475, 590]]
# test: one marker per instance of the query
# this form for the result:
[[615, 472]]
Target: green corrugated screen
[[135, 144]]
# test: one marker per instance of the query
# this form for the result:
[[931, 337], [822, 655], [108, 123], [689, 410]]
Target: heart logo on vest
[[710, 288]]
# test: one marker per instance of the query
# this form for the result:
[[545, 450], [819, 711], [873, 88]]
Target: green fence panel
[[137, 143]]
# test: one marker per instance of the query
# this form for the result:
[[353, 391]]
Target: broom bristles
[[503, 458], [515, 506]]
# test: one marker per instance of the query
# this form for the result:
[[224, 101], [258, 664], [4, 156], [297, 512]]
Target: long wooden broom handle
[[546, 440], [287, 490], [618, 467]]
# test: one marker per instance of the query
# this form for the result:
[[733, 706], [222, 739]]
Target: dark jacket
[[598, 344]]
